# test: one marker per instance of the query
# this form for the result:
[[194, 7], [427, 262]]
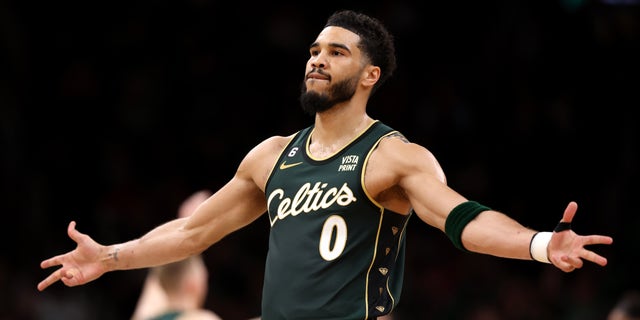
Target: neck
[[336, 127]]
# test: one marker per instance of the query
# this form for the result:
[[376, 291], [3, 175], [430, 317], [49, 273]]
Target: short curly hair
[[376, 41]]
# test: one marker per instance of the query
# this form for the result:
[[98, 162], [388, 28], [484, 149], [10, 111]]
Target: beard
[[313, 102]]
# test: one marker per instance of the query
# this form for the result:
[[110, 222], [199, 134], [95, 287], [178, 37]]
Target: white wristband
[[538, 246]]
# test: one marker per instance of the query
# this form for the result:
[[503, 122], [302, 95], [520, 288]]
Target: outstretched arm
[[476, 228], [235, 205], [494, 233]]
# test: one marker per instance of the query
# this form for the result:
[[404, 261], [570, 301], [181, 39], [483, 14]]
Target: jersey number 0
[[333, 225]]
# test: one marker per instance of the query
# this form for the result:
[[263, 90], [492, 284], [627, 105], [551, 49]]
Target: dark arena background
[[111, 113]]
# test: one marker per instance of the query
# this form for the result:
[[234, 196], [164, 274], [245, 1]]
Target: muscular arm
[[418, 174], [235, 205], [232, 207]]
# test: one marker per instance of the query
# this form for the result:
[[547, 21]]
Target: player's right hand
[[79, 266]]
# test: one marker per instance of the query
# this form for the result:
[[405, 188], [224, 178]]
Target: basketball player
[[338, 195], [177, 290]]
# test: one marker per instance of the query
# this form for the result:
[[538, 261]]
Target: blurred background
[[111, 113]]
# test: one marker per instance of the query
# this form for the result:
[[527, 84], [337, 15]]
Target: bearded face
[[313, 102]]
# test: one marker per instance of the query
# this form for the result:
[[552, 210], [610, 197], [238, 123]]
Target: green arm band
[[458, 218]]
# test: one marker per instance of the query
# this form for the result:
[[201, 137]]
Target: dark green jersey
[[334, 253]]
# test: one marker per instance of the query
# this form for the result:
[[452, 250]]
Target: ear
[[370, 76]]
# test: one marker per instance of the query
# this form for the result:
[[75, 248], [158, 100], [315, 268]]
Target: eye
[[314, 52]]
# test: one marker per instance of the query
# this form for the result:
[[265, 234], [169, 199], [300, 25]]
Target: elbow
[[193, 242]]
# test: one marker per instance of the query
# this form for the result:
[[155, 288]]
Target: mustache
[[318, 71]]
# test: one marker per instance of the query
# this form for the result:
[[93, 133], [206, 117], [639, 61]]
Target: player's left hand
[[567, 250]]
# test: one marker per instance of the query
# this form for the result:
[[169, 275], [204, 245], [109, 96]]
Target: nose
[[318, 61]]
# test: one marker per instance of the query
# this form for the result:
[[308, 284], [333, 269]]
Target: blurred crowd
[[112, 113]]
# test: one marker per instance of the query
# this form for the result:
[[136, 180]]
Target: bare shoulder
[[404, 157], [200, 314], [259, 162], [271, 146], [397, 168]]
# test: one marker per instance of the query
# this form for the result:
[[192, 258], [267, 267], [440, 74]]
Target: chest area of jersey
[[300, 186]]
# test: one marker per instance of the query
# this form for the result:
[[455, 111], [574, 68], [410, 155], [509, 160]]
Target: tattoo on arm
[[114, 255], [400, 136]]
